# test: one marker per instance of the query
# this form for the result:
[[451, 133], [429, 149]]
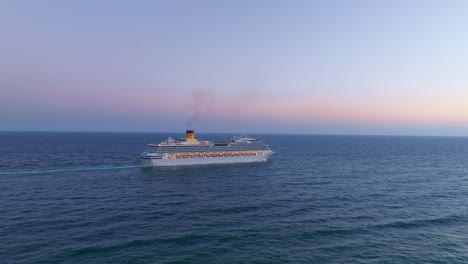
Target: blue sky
[[328, 67]]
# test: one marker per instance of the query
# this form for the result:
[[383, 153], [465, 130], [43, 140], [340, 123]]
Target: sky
[[319, 67]]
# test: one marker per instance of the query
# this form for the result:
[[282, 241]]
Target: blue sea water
[[83, 198]]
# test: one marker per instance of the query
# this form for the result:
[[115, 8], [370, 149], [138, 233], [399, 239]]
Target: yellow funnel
[[190, 135]]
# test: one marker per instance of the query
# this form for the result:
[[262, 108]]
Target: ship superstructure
[[192, 151]]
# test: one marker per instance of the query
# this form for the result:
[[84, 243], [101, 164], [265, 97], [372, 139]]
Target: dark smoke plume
[[202, 102]]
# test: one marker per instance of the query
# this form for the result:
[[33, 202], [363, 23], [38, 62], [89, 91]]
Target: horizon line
[[228, 133]]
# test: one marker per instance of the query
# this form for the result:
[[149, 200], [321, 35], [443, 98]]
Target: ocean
[[83, 198]]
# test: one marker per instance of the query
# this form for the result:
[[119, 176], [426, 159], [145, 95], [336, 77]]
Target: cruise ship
[[193, 152]]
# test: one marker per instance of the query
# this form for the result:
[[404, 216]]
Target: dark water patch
[[449, 220], [236, 209], [185, 240]]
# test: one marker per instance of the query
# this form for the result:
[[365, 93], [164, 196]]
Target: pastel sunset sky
[[322, 67]]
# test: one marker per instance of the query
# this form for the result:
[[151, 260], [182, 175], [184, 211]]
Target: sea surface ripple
[[83, 198]]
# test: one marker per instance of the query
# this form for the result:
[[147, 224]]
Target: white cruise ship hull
[[159, 162]]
